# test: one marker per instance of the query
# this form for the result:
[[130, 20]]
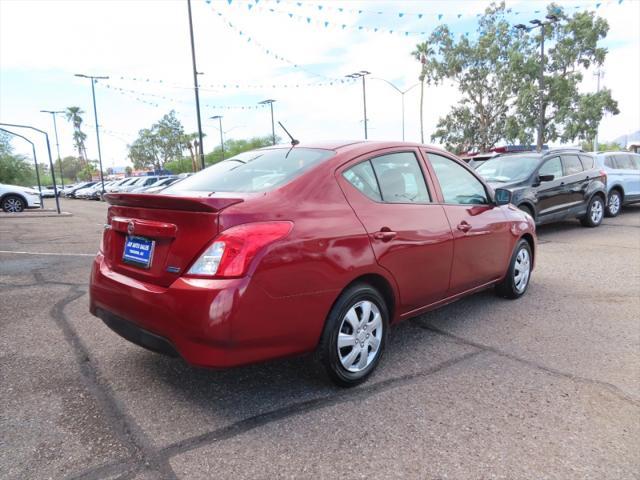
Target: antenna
[[294, 142]]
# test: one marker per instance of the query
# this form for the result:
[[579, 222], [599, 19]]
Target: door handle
[[385, 235], [562, 184], [463, 226]]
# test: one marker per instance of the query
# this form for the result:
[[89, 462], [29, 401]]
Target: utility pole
[[599, 74], [273, 128], [53, 171], [195, 85], [55, 129], [402, 94], [94, 80], [219, 118], [35, 162], [551, 19], [362, 74]]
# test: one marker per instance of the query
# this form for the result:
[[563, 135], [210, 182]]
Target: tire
[[614, 204], [13, 204], [595, 212], [516, 281], [527, 209], [346, 365]]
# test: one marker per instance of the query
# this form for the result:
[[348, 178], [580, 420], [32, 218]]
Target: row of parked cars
[[145, 184], [565, 183]]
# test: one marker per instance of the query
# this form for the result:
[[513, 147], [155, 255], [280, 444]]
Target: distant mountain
[[624, 140]]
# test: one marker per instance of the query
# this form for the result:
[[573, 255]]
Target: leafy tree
[[587, 146], [486, 70], [14, 169], [71, 166], [574, 48], [128, 171], [163, 142], [234, 147], [74, 115]]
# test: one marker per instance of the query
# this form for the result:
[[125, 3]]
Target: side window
[[362, 177], [400, 178], [636, 160], [571, 164], [587, 162], [459, 186], [551, 167], [609, 162], [624, 161]]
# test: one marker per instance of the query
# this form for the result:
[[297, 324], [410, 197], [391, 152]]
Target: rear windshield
[[255, 171]]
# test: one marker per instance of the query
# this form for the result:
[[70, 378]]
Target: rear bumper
[[211, 323]]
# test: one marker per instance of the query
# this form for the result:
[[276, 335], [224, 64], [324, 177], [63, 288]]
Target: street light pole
[[402, 94], [273, 128], [94, 79], [55, 129], [599, 74], [543, 30], [219, 118], [35, 162], [53, 171], [362, 74], [195, 85]]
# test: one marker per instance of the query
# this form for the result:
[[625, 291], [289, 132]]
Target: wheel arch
[[532, 245], [14, 194], [529, 205], [619, 188]]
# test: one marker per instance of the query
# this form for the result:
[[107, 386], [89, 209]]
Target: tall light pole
[[551, 19], [219, 118], [402, 94], [599, 73], [55, 129], [53, 171], [35, 161], [195, 85], [273, 128], [362, 74], [94, 79]]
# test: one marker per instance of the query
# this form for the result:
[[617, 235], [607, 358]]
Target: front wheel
[[13, 204], [516, 281], [613, 204], [354, 336], [595, 212]]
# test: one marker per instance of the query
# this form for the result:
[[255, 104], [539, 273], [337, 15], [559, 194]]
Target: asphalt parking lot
[[544, 387]]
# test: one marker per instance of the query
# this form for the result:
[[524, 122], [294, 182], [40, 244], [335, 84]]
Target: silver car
[[623, 179]]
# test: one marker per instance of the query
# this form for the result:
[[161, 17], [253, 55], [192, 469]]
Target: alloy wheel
[[522, 270], [360, 336], [597, 211], [12, 205], [614, 203]]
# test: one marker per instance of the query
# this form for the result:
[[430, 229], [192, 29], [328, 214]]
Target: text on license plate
[[138, 251]]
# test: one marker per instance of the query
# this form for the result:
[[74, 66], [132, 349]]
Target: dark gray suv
[[552, 185]]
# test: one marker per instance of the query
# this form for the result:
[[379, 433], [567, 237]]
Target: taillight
[[232, 251]]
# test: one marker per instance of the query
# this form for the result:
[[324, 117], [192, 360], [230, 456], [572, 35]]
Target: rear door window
[[609, 162], [571, 164], [623, 161], [636, 160], [400, 178]]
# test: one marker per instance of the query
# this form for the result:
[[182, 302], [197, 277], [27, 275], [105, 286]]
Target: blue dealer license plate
[[138, 251]]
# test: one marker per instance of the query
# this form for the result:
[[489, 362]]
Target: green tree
[[163, 142], [234, 147], [74, 115], [486, 70], [573, 48], [422, 51], [14, 169], [587, 146]]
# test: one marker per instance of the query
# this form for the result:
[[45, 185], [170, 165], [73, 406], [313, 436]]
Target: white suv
[[15, 199]]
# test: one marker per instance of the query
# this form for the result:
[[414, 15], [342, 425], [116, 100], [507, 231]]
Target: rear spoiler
[[169, 202]]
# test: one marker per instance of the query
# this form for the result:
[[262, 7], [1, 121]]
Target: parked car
[[67, 188], [93, 192], [15, 199], [283, 251], [117, 183], [140, 182], [551, 186], [156, 186], [47, 190], [623, 179], [71, 192]]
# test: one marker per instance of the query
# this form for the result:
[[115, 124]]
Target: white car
[[144, 181], [15, 199]]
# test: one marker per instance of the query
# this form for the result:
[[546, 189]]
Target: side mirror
[[546, 178], [502, 196]]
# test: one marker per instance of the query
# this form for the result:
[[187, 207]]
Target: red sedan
[[287, 250]]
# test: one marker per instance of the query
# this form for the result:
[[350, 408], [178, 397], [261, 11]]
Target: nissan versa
[[316, 248]]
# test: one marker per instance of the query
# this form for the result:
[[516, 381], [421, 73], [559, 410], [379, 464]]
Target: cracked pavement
[[544, 387]]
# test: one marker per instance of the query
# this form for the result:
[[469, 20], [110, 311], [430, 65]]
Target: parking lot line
[[51, 253]]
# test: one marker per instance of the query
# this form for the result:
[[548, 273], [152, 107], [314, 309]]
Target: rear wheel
[[354, 336], [614, 204], [516, 281], [595, 212], [13, 204]]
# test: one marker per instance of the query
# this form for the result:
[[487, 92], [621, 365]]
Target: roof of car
[[343, 144]]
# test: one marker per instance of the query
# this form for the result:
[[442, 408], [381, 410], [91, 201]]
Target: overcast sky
[[43, 43]]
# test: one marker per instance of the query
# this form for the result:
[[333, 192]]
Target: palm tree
[[421, 53], [74, 115]]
